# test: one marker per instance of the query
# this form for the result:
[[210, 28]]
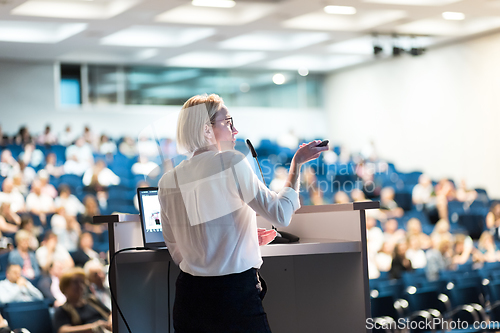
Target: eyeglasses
[[231, 124]]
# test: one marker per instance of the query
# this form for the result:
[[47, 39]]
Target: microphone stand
[[281, 237]]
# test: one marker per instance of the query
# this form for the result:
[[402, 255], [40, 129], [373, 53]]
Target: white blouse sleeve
[[277, 208], [168, 235]]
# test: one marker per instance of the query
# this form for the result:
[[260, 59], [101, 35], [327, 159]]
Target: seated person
[[79, 157], [24, 257], [488, 251], [493, 220], [392, 233], [91, 210], [384, 258], [441, 231], [15, 288], [9, 221], [400, 263], [31, 156], [11, 194], [6, 244], [414, 229], [47, 188], [463, 248], [106, 146], [69, 201], [415, 253], [52, 167], [341, 198], [388, 207], [66, 228], [97, 277], [28, 225], [38, 203], [145, 167], [80, 313], [8, 164], [49, 284], [439, 259], [51, 251], [85, 250], [99, 177]]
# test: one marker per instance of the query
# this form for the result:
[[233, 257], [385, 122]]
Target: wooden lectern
[[319, 284]]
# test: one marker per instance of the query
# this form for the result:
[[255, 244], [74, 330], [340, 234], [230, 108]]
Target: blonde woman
[[209, 204]]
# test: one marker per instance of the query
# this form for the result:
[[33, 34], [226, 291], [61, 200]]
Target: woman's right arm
[[277, 208]]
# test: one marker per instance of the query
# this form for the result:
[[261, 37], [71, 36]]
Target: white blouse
[[208, 205]]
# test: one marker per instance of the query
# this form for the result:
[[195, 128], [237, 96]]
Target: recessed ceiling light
[[342, 10], [456, 16], [214, 3], [278, 78], [303, 71]]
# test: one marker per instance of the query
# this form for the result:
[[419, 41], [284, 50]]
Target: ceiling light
[[214, 3], [278, 78], [303, 71], [342, 10], [455, 16]]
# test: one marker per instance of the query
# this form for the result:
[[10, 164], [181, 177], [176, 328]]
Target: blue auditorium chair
[[73, 181], [473, 223], [60, 152], [33, 316]]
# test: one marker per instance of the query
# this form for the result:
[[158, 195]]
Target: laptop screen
[[149, 208]]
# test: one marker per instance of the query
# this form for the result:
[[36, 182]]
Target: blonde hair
[[197, 112], [69, 275], [22, 234]]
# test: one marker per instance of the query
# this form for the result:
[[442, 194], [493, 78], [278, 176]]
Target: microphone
[[254, 154], [281, 237]]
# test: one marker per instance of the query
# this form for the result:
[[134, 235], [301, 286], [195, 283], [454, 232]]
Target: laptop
[[149, 209]]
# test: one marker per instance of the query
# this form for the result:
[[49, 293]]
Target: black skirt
[[219, 304]]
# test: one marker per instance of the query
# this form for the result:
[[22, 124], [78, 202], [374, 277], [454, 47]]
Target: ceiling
[[273, 34]]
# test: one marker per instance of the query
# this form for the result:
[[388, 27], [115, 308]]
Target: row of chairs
[[468, 295]]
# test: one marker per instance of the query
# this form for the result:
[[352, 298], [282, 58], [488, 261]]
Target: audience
[[66, 228], [415, 253], [87, 218], [47, 137], [38, 203], [15, 288], [24, 257], [493, 220], [79, 158], [52, 167], [33, 232], [414, 229], [394, 250], [85, 250], [439, 258], [47, 188], [82, 312], [8, 164], [392, 234], [51, 251], [69, 201], [12, 195], [441, 231], [400, 263], [49, 284], [97, 279], [9, 221]]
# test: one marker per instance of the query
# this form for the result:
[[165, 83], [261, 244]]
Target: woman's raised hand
[[308, 151]]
